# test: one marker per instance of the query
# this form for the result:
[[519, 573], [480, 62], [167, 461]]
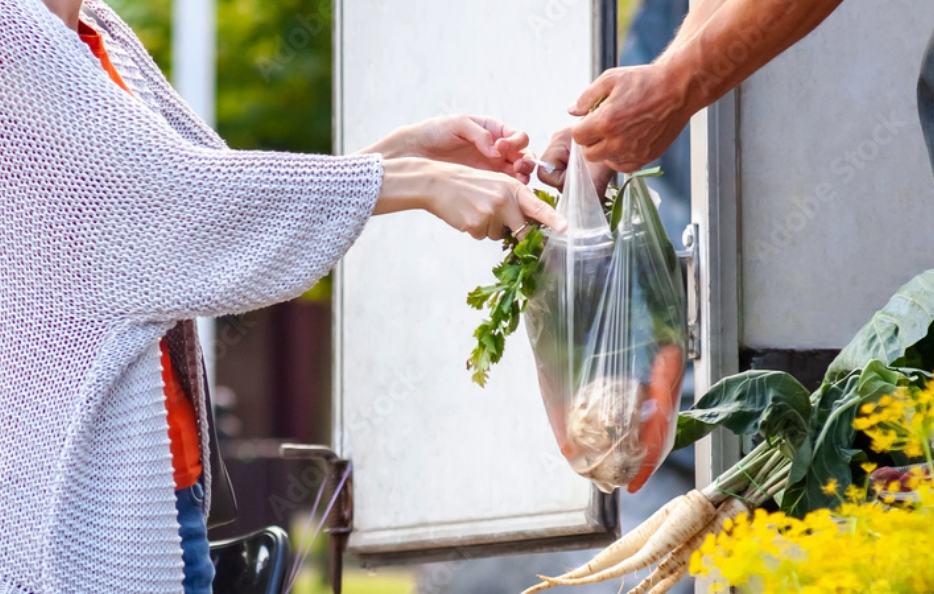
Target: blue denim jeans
[[199, 571]]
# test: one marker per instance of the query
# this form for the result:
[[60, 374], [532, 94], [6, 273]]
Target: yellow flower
[[914, 450], [863, 423], [696, 565], [827, 552], [854, 493], [883, 441]]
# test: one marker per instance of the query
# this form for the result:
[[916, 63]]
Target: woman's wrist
[[397, 145], [407, 185]]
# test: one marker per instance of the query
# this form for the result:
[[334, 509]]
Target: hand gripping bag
[[607, 327]]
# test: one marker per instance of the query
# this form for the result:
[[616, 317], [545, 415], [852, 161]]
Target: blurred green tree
[[273, 68]]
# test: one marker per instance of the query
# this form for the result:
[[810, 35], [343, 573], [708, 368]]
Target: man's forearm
[[697, 17], [722, 42]]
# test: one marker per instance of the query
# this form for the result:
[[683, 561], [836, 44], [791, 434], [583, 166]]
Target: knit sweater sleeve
[[115, 215]]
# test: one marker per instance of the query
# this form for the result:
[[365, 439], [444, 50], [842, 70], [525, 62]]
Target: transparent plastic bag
[[608, 332]]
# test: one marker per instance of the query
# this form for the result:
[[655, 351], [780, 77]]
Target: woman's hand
[[481, 203], [558, 154], [474, 141]]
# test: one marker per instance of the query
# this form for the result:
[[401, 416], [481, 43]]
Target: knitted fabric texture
[[119, 217]]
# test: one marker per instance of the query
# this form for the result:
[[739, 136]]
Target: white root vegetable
[[669, 582], [620, 550], [672, 534], [676, 564], [603, 428], [684, 521]]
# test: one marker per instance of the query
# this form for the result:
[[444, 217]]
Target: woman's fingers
[[510, 143], [502, 131], [511, 205], [474, 132], [481, 203], [513, 147], [523, 167], [537, 210], [512, 214]]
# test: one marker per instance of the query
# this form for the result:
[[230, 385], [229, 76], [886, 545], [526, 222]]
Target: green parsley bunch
[[506, 299]]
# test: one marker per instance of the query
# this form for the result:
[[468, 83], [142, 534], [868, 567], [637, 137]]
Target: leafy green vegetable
[[903, 323], [831, 450], [896, 348], [507, 298], [769, 403]]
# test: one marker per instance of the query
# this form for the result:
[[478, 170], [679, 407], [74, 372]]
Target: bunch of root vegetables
[[670, 536], [806, 441]]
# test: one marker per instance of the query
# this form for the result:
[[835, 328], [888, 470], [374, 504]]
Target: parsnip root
[[669, 582], [677, 562], [620, 550], [684, 521]]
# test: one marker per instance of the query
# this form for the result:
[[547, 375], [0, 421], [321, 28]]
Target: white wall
[[836, 190]]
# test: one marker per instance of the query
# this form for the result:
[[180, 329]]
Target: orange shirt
[[185, 442], [183, 426], [94, 41]]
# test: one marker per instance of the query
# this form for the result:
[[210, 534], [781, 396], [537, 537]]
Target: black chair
[[253, 564]]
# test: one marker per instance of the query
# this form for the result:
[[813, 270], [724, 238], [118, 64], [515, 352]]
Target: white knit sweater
[[120, 216]]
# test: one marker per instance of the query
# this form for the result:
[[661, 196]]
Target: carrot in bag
[[664, 392]]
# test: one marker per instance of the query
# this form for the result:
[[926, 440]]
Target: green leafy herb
[[547, 198], [616, 206], [506, 299]]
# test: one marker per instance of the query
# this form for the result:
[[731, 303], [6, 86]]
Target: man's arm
[[695, 19], [719, 45]]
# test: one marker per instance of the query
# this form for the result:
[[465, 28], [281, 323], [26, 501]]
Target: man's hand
[[474, 141], [558, 154], [644, 108], [720, 44]]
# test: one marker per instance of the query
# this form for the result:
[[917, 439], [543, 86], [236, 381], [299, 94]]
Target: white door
[[442, 468]]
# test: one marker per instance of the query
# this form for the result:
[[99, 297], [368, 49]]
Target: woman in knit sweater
[[122, 218]]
